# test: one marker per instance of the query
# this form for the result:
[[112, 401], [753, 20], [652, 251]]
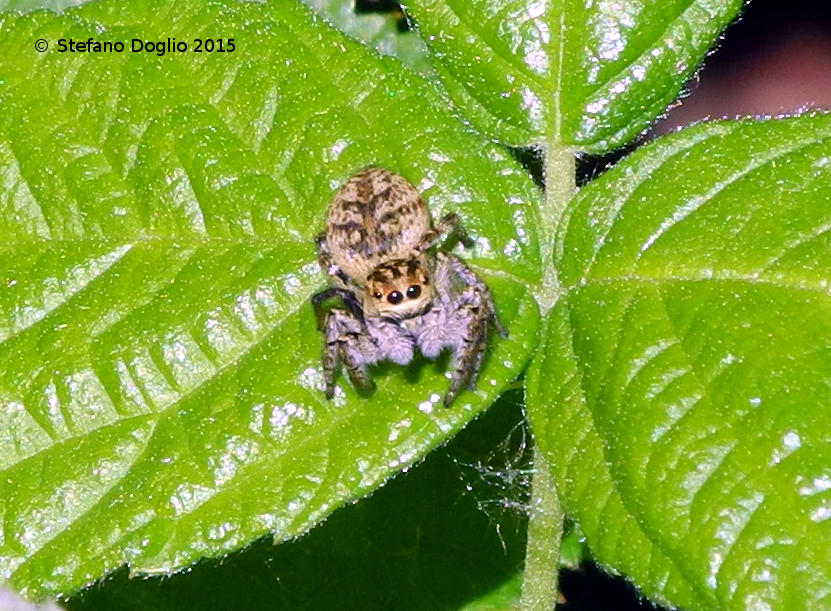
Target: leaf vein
[[648, 46], [645, 171], [635, 516], [510, 60], [109, 260], [695, 203], [821, 287], [31, 553], [801, 241]]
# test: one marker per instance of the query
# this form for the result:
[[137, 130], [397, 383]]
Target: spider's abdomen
[[376, 216]]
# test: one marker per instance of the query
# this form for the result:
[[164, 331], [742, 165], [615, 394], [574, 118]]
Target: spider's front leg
[[359, 343], [346, 296], [464, 273], [473, 312], [345, 342], [344, 289], [461, 321]]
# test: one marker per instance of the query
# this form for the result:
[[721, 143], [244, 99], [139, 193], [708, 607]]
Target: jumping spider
[[398, 293]]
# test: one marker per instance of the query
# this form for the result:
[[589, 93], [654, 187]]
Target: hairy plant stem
[[545, 525], [559, 189], [542, 552]]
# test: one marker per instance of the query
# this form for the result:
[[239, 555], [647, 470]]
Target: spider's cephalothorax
[[397, 293]]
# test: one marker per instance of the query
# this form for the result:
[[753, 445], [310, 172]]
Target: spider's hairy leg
[[343, 288], [472, 312], [345, 342], [449, 224], [357, 344], [347, 297], [464, 273], [460, 321], [327, 263]]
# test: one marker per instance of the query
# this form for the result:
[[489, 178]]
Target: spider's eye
[[413, 291], [395, 297], [378, 295]]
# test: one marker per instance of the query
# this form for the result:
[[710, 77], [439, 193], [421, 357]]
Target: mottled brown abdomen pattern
[[375, 217]]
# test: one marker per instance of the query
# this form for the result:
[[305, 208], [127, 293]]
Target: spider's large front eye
[[395, 297], [413, 291]]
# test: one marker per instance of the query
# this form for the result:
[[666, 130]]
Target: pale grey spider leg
[[460, 320], [471, 314], [464, 273], [449, 224], [344, 342], [357, 344]]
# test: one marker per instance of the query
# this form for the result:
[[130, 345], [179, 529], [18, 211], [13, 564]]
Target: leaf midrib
[[752, 280]]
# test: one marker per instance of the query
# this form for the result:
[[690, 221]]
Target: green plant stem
[[545, 525], [559, 189], [545, 530]]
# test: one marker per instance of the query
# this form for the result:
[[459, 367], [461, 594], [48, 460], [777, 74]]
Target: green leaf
[[588, 76], [160, 378], [33, 5], [682, 392], [377, 30]]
